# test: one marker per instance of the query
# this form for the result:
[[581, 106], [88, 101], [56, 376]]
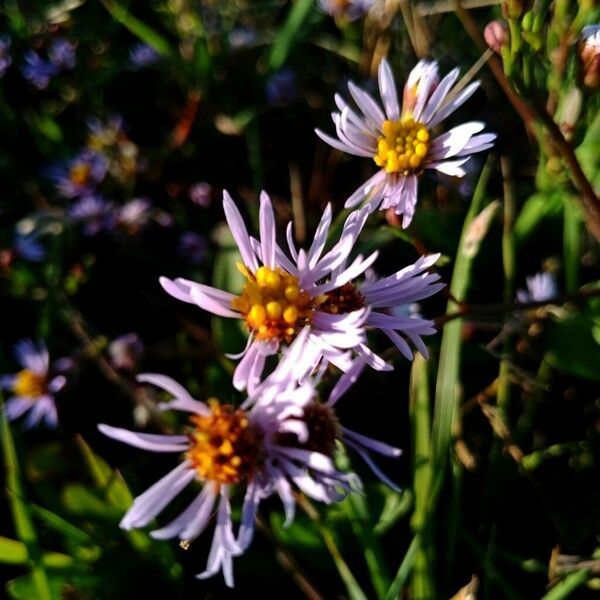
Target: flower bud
[[590, 56], [496, 35]]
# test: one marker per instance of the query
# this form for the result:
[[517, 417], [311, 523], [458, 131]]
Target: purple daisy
[[94, 212], [399, 137], [33, 387], [143, 55], [283, 437], [62, 54], [37, 70], [281, 296], [5, 57], [541, 287], [78, 176], [347, 9]]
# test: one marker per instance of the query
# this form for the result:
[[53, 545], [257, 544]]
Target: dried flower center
[[323, 430], [403, 146], [80, 173], [272, 304], [225, 448], [29, 384], [344, 299]]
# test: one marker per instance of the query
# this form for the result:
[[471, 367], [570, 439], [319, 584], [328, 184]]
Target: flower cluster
[[308, 312]]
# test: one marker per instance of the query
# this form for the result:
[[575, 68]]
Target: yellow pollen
[[29, 384], [272, 304], [403, 146], [225, 448]]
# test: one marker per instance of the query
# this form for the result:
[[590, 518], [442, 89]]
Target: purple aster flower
[[105, 133], [37, 70], [143, 55], [125, 351], [28, 247], [62, 54], [399, 138], [319, 291], [242, 37], [282, 438], [200, 194], [192, 247], [134, 215], [80, 175], [347, 9], [94, 212], [281, 87], [33, 387], [281, 296], [541, 287], [5, 57]]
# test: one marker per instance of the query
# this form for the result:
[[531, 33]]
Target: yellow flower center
[[80, 173], [403, 146], [226, 448], [272, 304], [29, 384]]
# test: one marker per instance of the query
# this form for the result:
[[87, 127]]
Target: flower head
[[346, 9], [590, 55], [5, 57], [62, 54], [94, 212], [281, 296], [79, 175], [399, 138], [541, 287], [143, 55], [33, 386], [38, 71], [281, 437]]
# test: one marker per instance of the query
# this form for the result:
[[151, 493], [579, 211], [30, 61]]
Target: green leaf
[[537, 208], [581, 355], [24, 588], [109, 482], [289, 32], [142, 31]]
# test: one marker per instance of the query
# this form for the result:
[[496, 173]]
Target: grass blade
[[24, 527]]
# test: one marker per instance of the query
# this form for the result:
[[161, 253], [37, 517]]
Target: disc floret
[[29, 384], [225, 447], [272, 304], [403, 146]]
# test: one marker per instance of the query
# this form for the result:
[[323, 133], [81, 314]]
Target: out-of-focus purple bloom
[[200, 194], [37, 70], [143, 55], [94, 212], [78, 176], [135, 214], [33, 387], [105, 133], [125, 351], [5, 57], [541, 287], [347, 9], [28, 247], [281, 87], [62, 54], [192, 247], [242, 37]]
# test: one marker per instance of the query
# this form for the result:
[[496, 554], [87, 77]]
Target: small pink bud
[[496, 35]]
